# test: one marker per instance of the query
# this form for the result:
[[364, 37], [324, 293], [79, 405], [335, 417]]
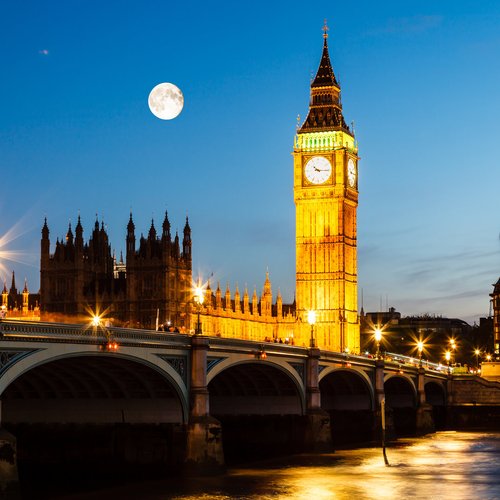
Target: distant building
[[495, 299], [401, 334], [19, 305]]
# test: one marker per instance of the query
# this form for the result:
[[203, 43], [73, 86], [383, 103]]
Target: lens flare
[[9, 254]]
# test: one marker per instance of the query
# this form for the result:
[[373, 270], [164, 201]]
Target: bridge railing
[[36, 331], [410, 361]]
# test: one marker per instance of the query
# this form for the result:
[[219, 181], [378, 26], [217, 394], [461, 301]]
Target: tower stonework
[[326, 199]]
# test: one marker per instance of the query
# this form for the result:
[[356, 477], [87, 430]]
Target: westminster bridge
[[210, 398]]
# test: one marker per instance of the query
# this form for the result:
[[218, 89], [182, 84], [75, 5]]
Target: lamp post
[[378, 338], [420, 346], [198, 298], [447, 356], [477, 352], [311, 319], [453, 346]]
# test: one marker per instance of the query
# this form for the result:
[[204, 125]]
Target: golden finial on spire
[[325, 30]]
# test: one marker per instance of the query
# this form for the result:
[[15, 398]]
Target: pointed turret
[[130, 225], [267, 297], [208, 296], [152, 231], [218, 297], [255, 302], [5, 296], [166, 228], [44, 246], [246, 304], [325, 110], [176, 249], [26, 295], [227, 301], [45, 230], [79, 235], [130, 237], [69, 235], [186, 241], [13, 289], [325, 76], [267, 284], [279, 305], [237, 300]]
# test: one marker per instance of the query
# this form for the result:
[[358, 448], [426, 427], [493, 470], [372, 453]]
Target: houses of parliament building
[[155, 280]]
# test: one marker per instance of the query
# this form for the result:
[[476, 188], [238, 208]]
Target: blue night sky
[[420, 79]]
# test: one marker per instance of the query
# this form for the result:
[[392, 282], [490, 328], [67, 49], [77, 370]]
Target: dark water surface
[[445, 465]]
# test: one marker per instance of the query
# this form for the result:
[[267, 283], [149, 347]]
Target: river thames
[[445, 465]]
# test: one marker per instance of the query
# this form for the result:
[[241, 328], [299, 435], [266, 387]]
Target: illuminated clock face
[[318, 170], [351, 173]]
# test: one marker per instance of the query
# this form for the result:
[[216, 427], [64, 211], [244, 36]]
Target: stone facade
[[80, 279], [19, 305]]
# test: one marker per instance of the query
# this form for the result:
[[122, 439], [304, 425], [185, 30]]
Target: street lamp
[[420, 346], [311, 319], [477, 352], [198, 298], [447, 356], [453, 346], [488, 357], [378, 338]]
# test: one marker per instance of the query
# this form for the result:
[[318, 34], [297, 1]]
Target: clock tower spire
[[326, 200]]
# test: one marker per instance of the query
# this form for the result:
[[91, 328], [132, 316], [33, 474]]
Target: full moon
[[166, 101]]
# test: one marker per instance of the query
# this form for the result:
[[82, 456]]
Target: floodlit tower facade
[[326, 199]]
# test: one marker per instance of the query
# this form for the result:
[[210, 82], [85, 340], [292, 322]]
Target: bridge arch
[[347, 395], [353, 380], [401, 399], [241, 386], [400, 391], [219, 365], [435, 395], [346, 389], [260, 406], [79, 374]]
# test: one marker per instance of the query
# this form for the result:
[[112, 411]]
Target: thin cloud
[[43, 52]]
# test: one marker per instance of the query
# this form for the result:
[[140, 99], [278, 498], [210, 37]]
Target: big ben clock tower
[[326, 199]]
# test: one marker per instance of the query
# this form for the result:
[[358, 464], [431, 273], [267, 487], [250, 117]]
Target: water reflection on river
[[454, 465]]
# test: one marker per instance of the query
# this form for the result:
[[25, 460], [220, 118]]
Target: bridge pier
[[204, 453], [318, 435], [379, 397], [424, 420]]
